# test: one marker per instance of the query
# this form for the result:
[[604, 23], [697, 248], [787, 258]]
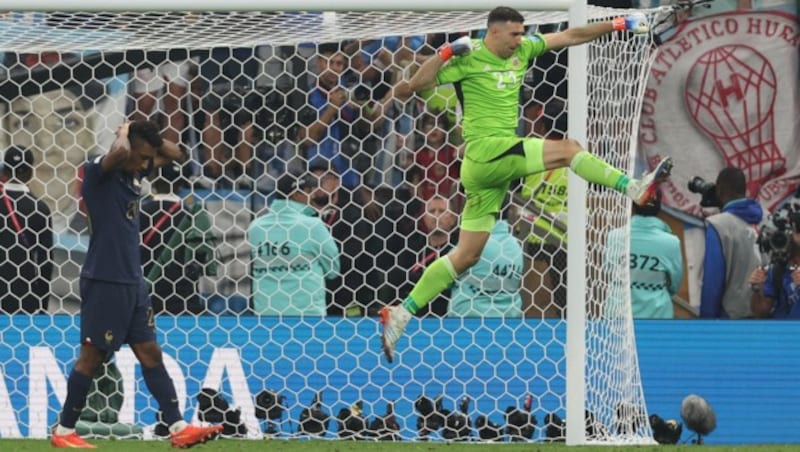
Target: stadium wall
[[747, 370]]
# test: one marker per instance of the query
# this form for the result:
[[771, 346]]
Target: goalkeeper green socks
[[596, 170], [435, 280]]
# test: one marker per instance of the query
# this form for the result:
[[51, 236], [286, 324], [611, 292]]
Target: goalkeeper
[[487, 75]]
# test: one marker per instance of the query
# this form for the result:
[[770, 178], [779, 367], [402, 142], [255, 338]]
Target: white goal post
[[595, 369]]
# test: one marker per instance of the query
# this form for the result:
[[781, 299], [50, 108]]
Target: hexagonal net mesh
[[279, 115]]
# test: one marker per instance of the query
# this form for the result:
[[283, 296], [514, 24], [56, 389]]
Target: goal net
[[254, 97]]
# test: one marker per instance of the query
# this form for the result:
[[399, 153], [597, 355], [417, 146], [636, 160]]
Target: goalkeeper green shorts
[[486, 183]]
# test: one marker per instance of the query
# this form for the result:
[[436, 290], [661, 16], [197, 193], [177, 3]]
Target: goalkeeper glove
[[460, 46], [636, 22]]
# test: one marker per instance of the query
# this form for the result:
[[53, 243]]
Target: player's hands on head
[[122, 142], [459, 47], [636, 22], [123, 129]]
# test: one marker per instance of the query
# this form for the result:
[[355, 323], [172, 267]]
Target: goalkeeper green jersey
[[488, 88]]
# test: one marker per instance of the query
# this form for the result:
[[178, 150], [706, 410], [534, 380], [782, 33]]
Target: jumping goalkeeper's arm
[[637, 23], [425, 77]]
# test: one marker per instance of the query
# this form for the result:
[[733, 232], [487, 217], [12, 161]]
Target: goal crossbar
[[279, 5]]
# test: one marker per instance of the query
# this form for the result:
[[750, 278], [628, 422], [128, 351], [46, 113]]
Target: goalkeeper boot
[[191, 435], [641, 190], [70, 441], [394, 320]]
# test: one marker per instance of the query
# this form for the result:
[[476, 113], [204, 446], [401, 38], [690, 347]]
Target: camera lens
[[779, 241], [699, 185]]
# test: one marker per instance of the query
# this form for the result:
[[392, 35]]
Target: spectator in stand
[[160, 91], [229, 141], [371, 238], [292, 249], [276, 151], [58, 127], [656, 264], [491, 288], [378, 55], [435, 237], [177, 244], [247, 138], [731, 253], [437, 157], [411, 190], [339, 120], [235, 96], [545, 271], [776, 289], [409, 180], [26, 239]]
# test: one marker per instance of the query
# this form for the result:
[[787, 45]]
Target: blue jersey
[[491, 287], [786, 304], [112, 201]]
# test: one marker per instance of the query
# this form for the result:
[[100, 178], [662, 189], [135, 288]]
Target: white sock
[[178, 426], [61, 430]]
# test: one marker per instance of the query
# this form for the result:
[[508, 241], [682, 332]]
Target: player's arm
[[167, 153], [120, 150], [636, 23], [425, 77]]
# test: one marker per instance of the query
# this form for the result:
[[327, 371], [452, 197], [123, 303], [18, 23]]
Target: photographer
[[731, 252], [776, 289], [26, 238], [178, 244]]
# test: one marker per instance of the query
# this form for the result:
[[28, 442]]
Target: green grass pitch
[[9, 445]]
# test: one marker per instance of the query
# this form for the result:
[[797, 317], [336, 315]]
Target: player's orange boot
[[191, 435], [70, 441], [394, 320]]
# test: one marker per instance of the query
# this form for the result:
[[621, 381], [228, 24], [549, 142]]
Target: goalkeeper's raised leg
[[489, 74]]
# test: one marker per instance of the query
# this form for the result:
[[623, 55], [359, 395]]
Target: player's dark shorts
[[113, 314]]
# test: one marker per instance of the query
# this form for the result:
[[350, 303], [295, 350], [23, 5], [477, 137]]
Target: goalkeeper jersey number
[[488, 87]]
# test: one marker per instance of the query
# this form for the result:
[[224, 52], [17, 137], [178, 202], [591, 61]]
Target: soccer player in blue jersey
[[115, 305]]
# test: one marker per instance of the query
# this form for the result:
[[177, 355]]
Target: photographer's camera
[[775, 238], [706, 189]]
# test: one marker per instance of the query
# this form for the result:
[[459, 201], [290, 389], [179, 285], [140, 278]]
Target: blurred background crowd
[[382, 175]]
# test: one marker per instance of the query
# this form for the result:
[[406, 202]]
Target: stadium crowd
[[250, 116]]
